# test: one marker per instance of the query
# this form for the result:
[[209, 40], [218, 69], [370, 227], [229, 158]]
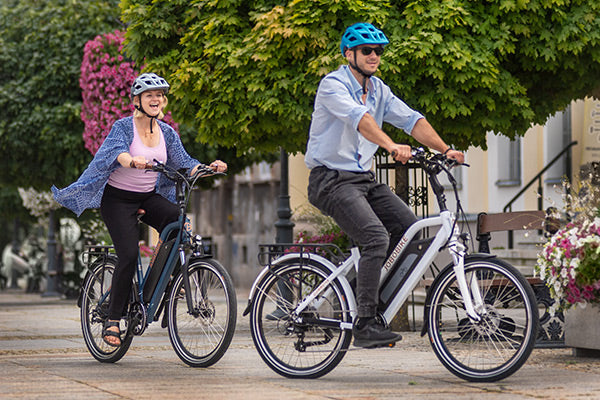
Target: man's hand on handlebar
[[401, 152], [456, 155]]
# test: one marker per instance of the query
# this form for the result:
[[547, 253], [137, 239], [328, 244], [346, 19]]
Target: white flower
[[557, 287], [542, 272], [556, 262], [38, 203]]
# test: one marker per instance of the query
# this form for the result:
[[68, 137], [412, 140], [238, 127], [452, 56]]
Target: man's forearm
[[372, 132], [424, 133]]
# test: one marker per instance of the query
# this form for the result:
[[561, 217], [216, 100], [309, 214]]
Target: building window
[[509, 161], [558, 136]]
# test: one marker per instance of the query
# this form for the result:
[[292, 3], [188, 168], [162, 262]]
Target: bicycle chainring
[[138, 321]]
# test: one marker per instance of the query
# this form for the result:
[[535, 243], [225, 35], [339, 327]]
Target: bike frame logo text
[[397, 250]]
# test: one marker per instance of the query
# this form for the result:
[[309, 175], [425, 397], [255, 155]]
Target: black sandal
[[106, 333]]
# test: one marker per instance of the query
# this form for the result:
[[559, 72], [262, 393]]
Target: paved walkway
[[42, 355]]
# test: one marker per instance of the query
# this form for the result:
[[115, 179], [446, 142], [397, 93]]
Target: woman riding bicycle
[[350, 108], [117, 181]]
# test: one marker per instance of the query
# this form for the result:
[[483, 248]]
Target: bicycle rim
[[201, 337], [501, 342], [94, 311], [299, 350]]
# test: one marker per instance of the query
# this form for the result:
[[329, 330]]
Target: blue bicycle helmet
[[362, 33]]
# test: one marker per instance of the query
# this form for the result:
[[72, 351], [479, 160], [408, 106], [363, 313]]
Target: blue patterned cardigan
[[87, 191]]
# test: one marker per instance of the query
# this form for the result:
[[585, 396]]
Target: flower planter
[[582, 330]]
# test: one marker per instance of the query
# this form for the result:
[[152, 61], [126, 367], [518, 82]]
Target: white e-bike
[[480, 312]]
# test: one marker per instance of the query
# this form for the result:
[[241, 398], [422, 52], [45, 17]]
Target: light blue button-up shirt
[[334, 140]]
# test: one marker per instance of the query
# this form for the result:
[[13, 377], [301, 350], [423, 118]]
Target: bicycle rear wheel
[[299, 347], [498, 345], [95, 297], [201, 336]]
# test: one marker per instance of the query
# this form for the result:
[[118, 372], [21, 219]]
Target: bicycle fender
[[468, 258], [293, 256]]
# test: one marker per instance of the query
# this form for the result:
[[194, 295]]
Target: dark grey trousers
[[370, 213]]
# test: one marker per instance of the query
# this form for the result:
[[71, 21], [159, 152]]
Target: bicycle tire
[[94, 311], [299, 350], [498, 345], [201, 338]]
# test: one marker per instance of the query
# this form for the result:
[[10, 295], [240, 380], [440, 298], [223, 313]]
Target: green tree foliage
[[245, 72], [42, 47]]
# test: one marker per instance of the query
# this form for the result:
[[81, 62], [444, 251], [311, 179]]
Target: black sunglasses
[[367, 50]]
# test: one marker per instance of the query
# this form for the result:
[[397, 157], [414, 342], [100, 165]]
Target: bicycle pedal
[[382, 346]]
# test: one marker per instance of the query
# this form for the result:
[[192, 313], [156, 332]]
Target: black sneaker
[[370, 333], [276, 315]]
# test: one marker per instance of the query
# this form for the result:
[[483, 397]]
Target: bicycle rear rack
[[92, 253], [270, 252]]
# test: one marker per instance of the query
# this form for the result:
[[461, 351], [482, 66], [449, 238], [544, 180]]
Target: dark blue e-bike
[[192, 290]]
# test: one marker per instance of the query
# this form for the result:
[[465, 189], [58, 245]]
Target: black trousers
[[118, 209]]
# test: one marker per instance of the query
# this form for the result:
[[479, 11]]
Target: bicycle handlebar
[[175, 175], [427, 160]]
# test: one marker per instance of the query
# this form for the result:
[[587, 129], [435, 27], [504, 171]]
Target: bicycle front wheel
[[308, 345], [201, 335], [95, 296], [500, 343]]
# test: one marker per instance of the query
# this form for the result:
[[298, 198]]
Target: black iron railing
[[566, 152]]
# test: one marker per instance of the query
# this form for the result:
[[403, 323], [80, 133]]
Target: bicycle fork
[[186, 279], [470, 293]]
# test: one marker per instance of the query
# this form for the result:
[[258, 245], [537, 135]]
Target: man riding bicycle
[[350, 108]]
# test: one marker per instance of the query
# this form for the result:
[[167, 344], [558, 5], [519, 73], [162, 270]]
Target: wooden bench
[[551, 333], [513, 221]]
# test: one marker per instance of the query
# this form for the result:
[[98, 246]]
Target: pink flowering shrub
[[145, 250], [569, 262], [105, 81]]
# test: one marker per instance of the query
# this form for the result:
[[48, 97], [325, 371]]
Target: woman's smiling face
[[152, 101]]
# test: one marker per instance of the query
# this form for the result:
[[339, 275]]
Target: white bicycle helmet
[[148, 81]]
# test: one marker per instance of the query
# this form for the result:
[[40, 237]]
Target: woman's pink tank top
[[139, 180]]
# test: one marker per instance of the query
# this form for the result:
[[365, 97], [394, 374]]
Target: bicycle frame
[[168, 269]]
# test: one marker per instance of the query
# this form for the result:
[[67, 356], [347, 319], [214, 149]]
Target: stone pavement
[[42, 355]]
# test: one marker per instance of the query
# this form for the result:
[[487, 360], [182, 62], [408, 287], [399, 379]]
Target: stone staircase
[[525, 252]]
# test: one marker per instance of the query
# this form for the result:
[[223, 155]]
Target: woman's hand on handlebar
[[140, 162], [218, 166]]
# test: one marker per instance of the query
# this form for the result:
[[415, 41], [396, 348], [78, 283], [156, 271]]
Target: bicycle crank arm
[[323, 322]]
